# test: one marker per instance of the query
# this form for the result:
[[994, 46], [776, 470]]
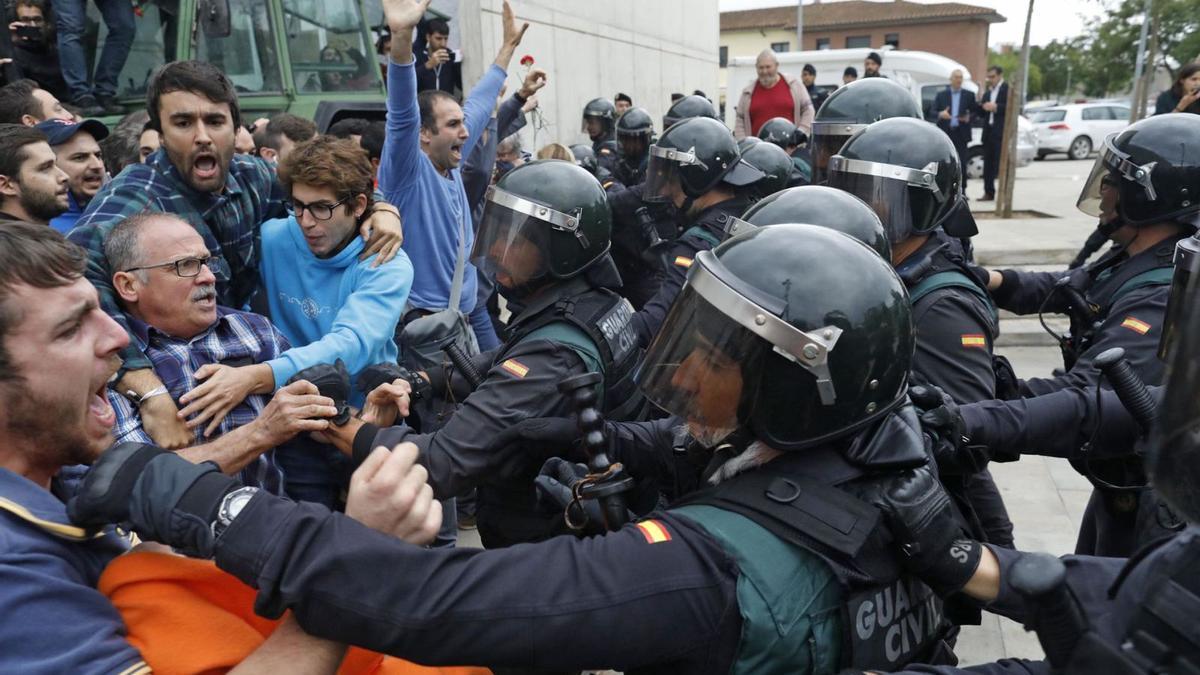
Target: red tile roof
[[829, 15]]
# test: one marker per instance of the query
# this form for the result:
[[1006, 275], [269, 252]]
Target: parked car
[[1027, 147], [1077, 129]]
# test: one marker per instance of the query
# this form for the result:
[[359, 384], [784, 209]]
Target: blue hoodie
[[330, 308]]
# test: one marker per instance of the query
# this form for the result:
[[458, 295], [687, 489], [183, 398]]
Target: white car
[[1077, 128], [1027, 147]]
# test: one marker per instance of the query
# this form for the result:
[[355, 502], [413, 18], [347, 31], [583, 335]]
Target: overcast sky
[[1051, 18]]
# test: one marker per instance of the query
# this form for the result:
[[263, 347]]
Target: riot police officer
[[908, 171], [585, 157], [1145, 181], [851, 108], [688, 107], [824, 206], [793, 141], [599, 117], [787, 356], [694, 166], [773, 162], [635, 133]]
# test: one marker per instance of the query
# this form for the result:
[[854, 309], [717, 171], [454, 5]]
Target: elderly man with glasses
[[167, 289]]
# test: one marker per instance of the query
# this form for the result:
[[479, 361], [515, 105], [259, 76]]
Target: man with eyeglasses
[[328, 303], [167, 289]]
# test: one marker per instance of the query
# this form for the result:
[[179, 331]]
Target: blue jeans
[[71, 18], [312, 472], [481, 323]]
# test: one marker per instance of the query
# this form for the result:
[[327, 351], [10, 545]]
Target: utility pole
[[1139, 85], [1008, 143], [799, 25]]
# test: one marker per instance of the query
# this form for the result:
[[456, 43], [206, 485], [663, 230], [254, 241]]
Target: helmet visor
[[705, 362], [1182, 295], [828, 139], [885, 188], [1099, 195], [513, 238], [663, 180]]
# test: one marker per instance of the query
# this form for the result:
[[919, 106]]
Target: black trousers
[[992, 137]]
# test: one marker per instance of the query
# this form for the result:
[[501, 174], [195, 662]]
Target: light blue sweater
[[331, 308], [432, 206]]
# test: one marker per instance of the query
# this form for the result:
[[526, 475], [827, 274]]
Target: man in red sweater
[[772, 94]]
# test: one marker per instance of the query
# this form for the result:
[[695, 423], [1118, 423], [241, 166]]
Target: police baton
[[606, 481], [1041, 579], [1129, 387]]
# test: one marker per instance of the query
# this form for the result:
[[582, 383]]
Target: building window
[[892, 39], [781, 47], [724, 56], [823, 43], [858, 41]]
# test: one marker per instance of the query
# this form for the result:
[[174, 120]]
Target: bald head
[[956, 79], [767, 66]]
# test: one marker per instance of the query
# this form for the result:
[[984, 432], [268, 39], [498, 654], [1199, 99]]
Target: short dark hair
[[874, 56], [999, 70], [14, 138], [808, 68], [372, 139], [425, 103], [345, 128], [32, 255], [198, 77], [1183, 74], [850, 70], [121, 148], [16, 101], [623, 97], [437, 27], [676, 96], [294, 127]]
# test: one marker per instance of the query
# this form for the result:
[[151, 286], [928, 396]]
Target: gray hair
[[122, 246], [511, 143], [767, 54]]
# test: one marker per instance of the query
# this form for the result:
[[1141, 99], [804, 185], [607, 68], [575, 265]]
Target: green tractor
[[314, 58]]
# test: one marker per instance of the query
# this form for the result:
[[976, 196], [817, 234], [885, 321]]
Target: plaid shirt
[[236, 338], [227, 221]]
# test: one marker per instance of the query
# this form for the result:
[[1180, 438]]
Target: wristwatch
[[231, 506]]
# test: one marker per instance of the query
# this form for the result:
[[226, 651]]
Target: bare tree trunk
[[1008, 143]]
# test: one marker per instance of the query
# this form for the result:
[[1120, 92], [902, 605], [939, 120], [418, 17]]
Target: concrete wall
[[646, 49], [962, 41]]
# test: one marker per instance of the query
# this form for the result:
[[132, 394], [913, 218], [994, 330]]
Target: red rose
[[527, 60]]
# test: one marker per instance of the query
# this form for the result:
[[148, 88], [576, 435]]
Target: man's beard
[[47, 425], [708, 437], [40, 206]]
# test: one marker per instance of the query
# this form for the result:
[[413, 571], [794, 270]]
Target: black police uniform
[[639, 265], [571, 603], [1130, 297], [956, 330], [1141, 611], [607, 152], [632, 171], [710, 228]]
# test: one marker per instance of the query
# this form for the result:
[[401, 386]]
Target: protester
[[372, 141], [437, 66], [196, 176], [98, 95], [772, 94], [124, 144], [32, 187], [275, 140], [34, 52], [808, 76], [149, 141], [1184, 94], [849, 75], [350, 127], [77, 153], [555, 151], [24, 102]]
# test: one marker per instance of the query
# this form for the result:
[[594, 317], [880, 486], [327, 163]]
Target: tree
[[1108, 47], [1009, 61]]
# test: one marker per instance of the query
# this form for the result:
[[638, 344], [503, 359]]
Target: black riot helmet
[[795, 333], [543, 221], [774, 163], [635, 133], [746, 143], [585, 157], [906, 170], [824, 206], [1152, 169], [688, 107], [781, 132], [1173, 453], [601, 109], [851, 108], [1186, 266], [692, 157]]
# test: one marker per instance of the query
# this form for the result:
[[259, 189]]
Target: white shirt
[[993, 94]]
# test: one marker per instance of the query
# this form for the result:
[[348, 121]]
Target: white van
[[924, 74]]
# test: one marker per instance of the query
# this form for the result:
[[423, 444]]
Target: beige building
[[952, 29]]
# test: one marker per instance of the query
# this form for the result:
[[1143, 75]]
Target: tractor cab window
[[328, 46], [247, 54]]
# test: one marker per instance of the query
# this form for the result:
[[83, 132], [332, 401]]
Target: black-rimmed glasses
[[318, 210], [184, 267]]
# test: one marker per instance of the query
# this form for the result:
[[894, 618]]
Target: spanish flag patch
[[1135, 325], [682, 261], [974, 340], [515, 367], [654, 531]]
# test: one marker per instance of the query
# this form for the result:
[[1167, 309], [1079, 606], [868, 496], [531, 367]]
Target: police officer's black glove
[[523, 447], [944, 428], [980, 274], [158, 494], [554, 493], [332, 382], [933, 545], [384, 373]]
